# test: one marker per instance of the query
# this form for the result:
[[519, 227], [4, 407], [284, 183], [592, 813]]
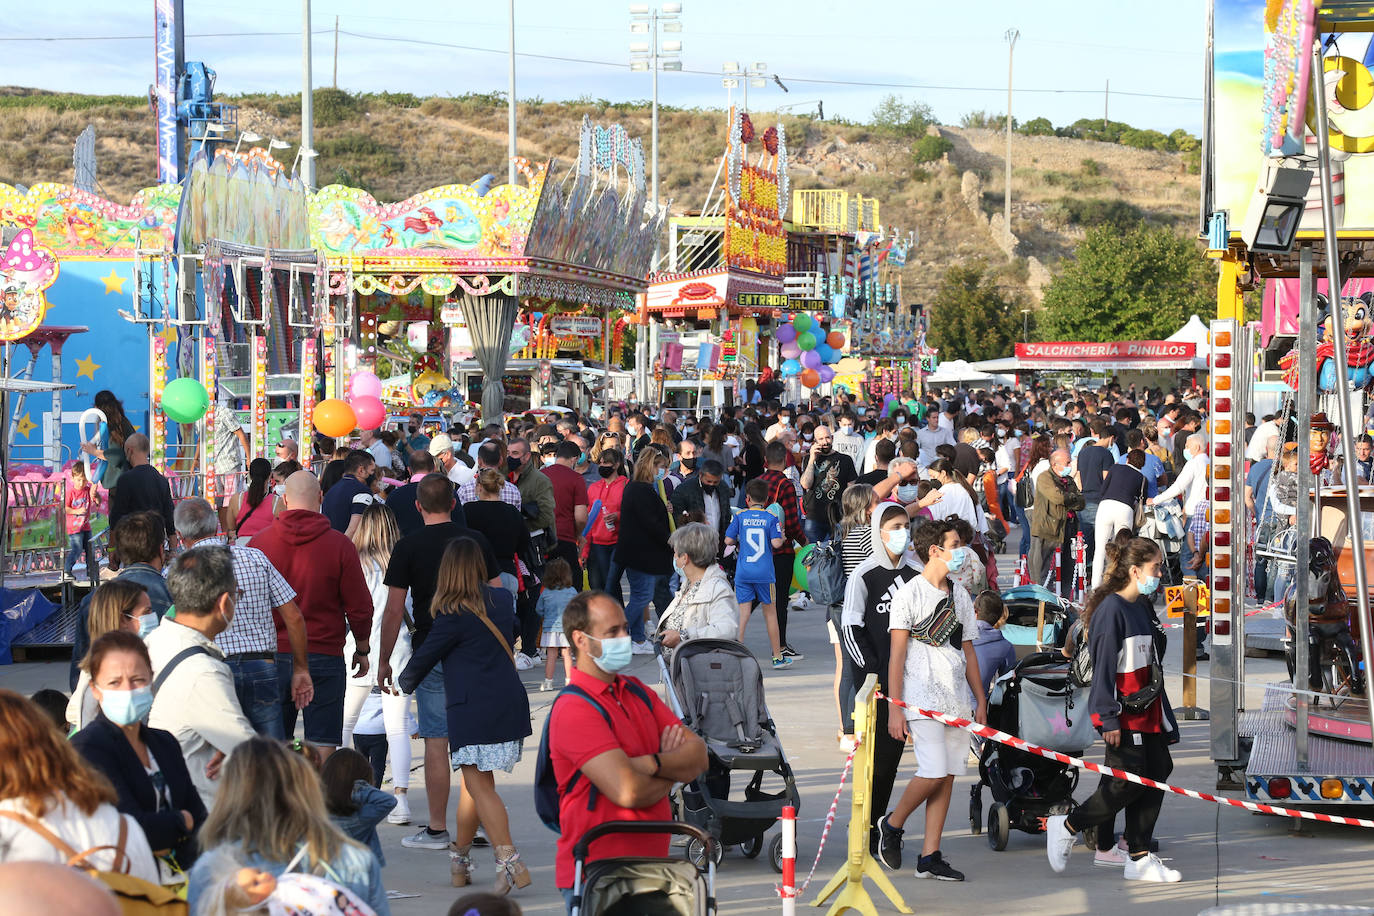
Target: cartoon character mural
[[1359, 344]]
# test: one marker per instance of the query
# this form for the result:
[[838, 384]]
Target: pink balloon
[[370, 410], [364, 384], [790, 350], [811, 359], [786, 333]]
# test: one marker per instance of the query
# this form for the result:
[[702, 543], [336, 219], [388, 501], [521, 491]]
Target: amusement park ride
[[1311, 740]]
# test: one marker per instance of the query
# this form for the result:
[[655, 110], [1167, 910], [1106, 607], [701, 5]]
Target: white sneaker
[[1058, 841], [1151, 868], [642, 648], [523, 662], [546, 685], [401, 813], [1115, 857]]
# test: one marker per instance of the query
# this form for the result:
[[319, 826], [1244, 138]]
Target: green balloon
[[806, 341], [802, 322], [799, 569], [185, 400]]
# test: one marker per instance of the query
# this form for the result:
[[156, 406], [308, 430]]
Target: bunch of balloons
[[363, 409], [808, 350]]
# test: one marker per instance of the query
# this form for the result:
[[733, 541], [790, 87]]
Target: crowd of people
[[439, 563]]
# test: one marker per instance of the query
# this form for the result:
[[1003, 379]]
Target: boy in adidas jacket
[[867, 605]]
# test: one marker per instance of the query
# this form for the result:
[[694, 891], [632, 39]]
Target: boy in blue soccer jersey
[[758, 533]]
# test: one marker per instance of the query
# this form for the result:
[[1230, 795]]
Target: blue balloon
[[826, 351], [790, 367]]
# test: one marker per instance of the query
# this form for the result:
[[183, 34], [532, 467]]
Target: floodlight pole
[[510, 102], [1012, 35], [307, 99]]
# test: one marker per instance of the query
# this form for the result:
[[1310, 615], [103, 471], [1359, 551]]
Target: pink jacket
[[80, 504]]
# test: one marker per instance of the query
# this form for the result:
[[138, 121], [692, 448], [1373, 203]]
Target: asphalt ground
[[1228, 857]]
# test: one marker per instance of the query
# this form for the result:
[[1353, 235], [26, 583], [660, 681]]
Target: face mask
[[678, 568], [1148, 585], [513, 463], [689, 430], [582, 458], [660, 474], [689, 463], [616, 654], [807, 437], [784, 420], [279, 489], [847, 429], [956, 559], [896, 540], [606, 470], [907, 492], [1066, 471], [708, 488], [125, 707], [899, 419], [147, 624]]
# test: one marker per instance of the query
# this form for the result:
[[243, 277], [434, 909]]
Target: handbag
[[939, 627]]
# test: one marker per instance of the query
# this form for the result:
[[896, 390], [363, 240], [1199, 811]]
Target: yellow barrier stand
[[849, 880]]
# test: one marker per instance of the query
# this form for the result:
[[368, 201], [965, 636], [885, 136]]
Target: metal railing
[[835, 211]]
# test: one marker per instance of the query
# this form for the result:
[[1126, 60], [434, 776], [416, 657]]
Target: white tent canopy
[[956, 370], [1195, 332]]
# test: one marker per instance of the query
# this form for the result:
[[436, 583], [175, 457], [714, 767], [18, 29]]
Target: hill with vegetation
[[944, 181]]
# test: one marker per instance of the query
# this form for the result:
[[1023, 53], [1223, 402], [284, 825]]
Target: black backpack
[[825, 574], [547, 791], [1025, 491]]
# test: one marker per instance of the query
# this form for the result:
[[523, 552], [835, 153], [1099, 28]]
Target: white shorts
[[941, 750], [830, 629]]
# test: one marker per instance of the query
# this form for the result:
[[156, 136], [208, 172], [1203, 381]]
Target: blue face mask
[[616, 654], [125, 707], [660, 474], [147, 624], [957, 558], [896, 541], [907, 492], [1148, 585]]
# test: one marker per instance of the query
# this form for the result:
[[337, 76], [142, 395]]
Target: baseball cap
[[440, 443]]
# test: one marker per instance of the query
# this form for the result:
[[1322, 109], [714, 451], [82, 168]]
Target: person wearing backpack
[[612, 750], [1128, 706], [1037, 462]]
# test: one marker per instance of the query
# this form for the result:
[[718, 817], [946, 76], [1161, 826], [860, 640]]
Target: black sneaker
[[889, 845], [935, 866], [789, 652]]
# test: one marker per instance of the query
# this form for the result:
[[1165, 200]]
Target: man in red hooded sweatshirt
[[322, 565]]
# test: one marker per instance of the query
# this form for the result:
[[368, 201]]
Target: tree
[[1038, 127], [930, 148], [904, 119], [970, 319], [1135, 284]]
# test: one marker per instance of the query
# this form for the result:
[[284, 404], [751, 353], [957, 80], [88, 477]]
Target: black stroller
[[716, 687], [642, 885], [1034, 701]]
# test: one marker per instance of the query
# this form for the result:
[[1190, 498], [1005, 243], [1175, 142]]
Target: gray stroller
[[716, 687], [642, 885]]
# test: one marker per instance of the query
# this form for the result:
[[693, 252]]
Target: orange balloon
[[835, 339], [810, 378], [334, 418]]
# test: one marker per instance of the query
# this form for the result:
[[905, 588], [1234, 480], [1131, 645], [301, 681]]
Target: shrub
[[1097, 211], [1090, 167], [930, 148]]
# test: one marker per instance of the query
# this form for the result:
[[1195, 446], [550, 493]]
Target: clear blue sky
[[1152, 48]]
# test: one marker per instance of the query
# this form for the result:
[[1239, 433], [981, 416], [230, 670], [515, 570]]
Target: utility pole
[[336, 52], [1106, 98], [307, 100], [1011, 36], [510, 103]]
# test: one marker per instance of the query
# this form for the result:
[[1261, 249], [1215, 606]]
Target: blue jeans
[[642, 586], [599, 565], [259, 692], [1087, 524], [1023, 521], [324, 715], [76, 545], [817, 529], [432, 704]]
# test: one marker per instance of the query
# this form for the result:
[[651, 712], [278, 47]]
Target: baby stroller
[[716, 687], [1034, 701], [1037, 619], [642, 885]]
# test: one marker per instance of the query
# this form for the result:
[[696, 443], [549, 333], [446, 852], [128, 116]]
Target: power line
[[400, 39]]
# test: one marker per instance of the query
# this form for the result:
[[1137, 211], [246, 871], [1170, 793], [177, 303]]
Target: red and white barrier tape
[[829, 821], [1002, 737]]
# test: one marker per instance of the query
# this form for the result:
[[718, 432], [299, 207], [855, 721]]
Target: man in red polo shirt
[[631, 756]]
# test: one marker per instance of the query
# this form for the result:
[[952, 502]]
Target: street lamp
[[1025, 321], [246, 135], [653, 56], [1011, 36]]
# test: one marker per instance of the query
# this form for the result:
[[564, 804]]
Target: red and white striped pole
[[1022, 572], [1080, 564], [789, 861], [1055, 575]]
